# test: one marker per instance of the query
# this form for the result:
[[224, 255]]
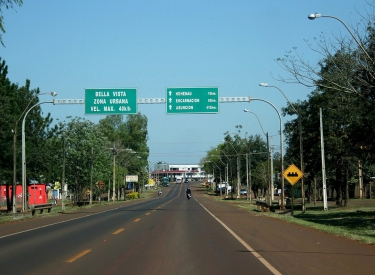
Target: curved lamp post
[[268, 155], [312, 16], [281, 150], [24, 188], [300, 142], [15, 150], [238, 169], [214, 185], [225, 174]]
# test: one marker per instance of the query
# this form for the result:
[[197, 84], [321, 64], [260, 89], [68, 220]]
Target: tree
[[344, 81], [7, 4], [13, 104], [85, 147], [130, 134]]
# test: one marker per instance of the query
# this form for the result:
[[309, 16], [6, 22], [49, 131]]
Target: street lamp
[[24, 187], [238, 169], [281, 150], [15, 150], [227, 173], [300, 142], [318, 15], [214, 185], [268, 156]]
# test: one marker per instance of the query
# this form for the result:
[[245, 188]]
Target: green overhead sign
[[111, 101], [192, 100]]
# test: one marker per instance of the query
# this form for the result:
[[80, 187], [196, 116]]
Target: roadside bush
[[133, 195]]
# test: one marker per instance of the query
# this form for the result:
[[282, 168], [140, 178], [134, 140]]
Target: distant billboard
[[132, 178]]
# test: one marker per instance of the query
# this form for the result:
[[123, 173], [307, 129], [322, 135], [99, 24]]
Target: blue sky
[[67, 46]]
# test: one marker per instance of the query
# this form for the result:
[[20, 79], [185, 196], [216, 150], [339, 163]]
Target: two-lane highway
[[170, 235]]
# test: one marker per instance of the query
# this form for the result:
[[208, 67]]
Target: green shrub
[[133, 195]]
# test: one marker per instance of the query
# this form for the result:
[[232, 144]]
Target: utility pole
[[238, 177], [247, 176], [360, 179], [271, 164], [323, 161], [63, 178], [114, 172], [92, 162], [250, 175]]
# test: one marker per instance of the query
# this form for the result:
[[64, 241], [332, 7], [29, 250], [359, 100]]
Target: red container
[[3, 193], [37, 193]]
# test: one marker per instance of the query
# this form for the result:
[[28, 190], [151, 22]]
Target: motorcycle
[[188, 196]]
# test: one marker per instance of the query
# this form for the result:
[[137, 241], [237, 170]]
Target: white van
[[178, 180]]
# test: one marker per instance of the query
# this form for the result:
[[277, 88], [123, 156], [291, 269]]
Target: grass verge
[[69, 207]]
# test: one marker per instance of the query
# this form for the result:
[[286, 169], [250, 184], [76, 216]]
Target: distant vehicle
[[223, 187], [186, 180], [165, 181], [243, 192], [178, 180]]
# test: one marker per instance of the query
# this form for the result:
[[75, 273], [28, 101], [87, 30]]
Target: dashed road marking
[[118, 231], [79, 255]]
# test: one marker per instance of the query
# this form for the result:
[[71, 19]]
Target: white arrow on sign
[[170, 93], [170, 100], [170, 107]]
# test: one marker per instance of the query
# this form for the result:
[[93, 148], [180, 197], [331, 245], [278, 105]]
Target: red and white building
[[192, 172]]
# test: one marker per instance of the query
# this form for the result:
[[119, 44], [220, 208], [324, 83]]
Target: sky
[[69, 46]]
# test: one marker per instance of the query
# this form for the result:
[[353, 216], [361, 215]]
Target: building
[[192, 172]]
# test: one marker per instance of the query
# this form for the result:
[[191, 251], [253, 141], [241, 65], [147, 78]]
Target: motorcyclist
[[188, 193]]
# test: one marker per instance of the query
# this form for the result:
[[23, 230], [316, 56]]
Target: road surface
[[173, 235]]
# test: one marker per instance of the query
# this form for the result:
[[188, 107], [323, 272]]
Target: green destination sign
[[111, 101], [192, 100]]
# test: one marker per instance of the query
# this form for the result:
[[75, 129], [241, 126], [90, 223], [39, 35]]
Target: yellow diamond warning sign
[[292, 174]]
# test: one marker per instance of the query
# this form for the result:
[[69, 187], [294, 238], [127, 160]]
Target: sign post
[[192, 100], [122, 101], [292, 174]]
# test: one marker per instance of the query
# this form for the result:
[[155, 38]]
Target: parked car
[[223, 187], [243, 192]]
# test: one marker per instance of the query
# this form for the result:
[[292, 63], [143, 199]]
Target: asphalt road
[[173, 235]]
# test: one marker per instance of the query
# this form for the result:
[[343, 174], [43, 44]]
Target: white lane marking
[[248, 247]]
